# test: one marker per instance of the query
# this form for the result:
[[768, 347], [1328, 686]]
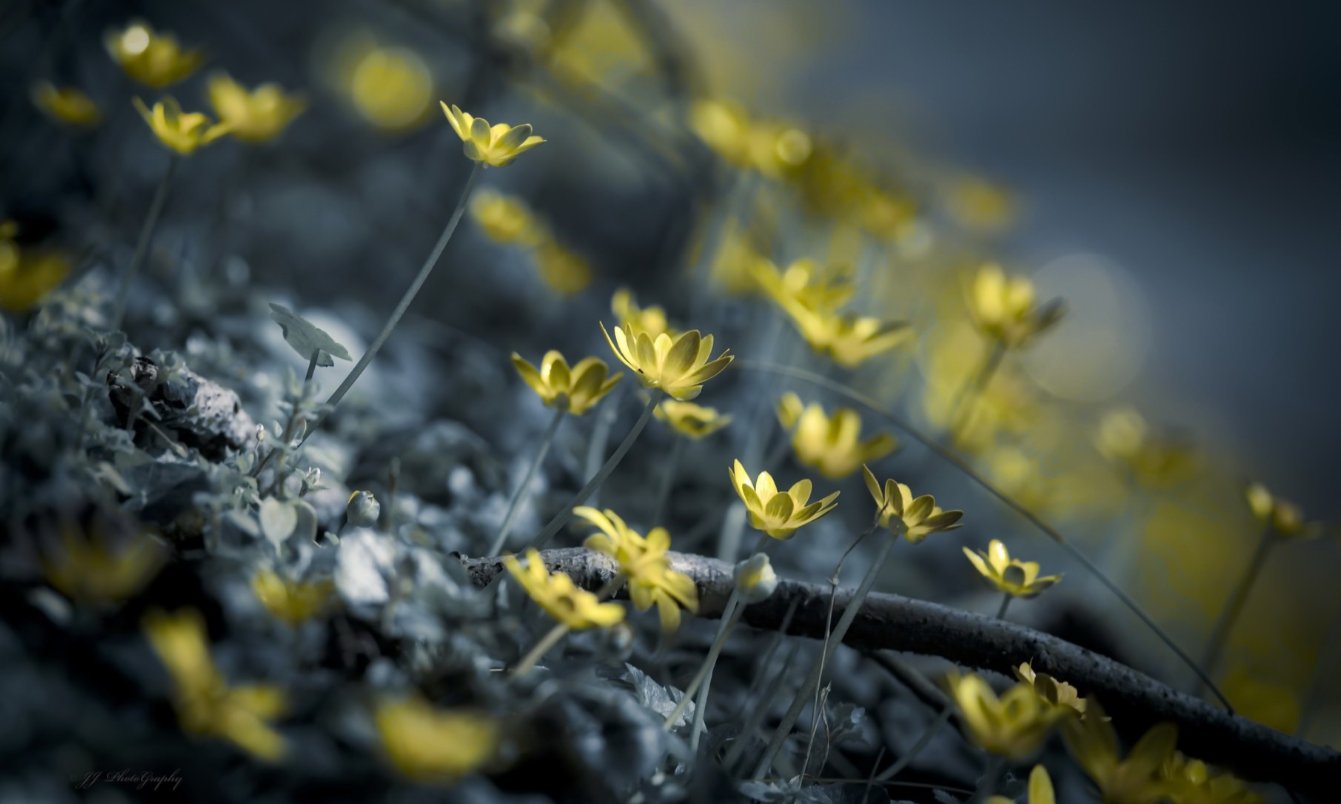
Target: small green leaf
[[278, 520], [306, 337]]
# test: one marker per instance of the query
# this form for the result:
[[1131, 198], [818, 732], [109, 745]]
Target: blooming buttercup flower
[[1135, 778], [1040, 789], [152, 58], [1012, 726], [778, 513], [559, 596], [433, 745], [644, 564], [180, 131], [676, 365], [66, 104], [495, 145], [830, 444], [1050, 689], [917, 517], [205, 703], [755, 579], [91, 566], [651, 319], [1282, 516], [290, 601], [258, 115], [803, 284], [1003, 307], [691, 419], [575, 389], [27, 275], [1009, 575]]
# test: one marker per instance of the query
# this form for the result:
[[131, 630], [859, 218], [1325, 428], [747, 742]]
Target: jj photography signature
[[136, 779]]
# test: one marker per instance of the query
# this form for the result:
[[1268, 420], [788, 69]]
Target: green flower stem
[[812, 681], [611, 464], [703, 678], [769, 688], [1005, 604], [514, 505], [600, 436], [142, 245], [405, 300], [975, 386], [292, 423], [1234, 606], [668, 480], [991, 774], [535, 654]]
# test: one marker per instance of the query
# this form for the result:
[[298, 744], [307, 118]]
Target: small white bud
[[755, 579], [362, 509]]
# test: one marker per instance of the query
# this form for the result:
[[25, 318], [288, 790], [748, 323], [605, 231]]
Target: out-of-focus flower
[[849, 340], [676, 365], [644, 564], [575, 389], [733, 268], [389, 86], [1136, 778], [830, 444], [292, 602], [1050, 689], [1153, 460], [772, 148], [563, 269], [979, 205], [433, 745], [1003, 307], [362, 509], [505, 218], [778, 513], [1191, 781], [755, 579], [916, 517], [1282, 516], [495, 145], [205, 703], [254, 116], [66, 104], [1012, 726], [1040, 789], [92, 566], [1009, 575], [27, 275], [182, 132], [803, 284], [149, 57], [559, 596], [691, 419], [651, 319]]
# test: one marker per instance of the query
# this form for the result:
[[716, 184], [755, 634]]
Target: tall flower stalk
[[142, 243]]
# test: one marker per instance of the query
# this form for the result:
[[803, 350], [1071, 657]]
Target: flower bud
[[755, 579], [362, 509]]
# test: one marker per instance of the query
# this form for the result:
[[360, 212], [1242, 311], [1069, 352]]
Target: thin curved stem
[[1029, 516], [730, 616], [975, 386], [145, 239], [514, 505], [1234, 605], [668, 480], [535, 654]]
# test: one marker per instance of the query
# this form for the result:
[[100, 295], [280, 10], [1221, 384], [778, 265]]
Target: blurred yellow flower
[[1012, 726], [1153, 460], [644, 564], [1134, 779], [1050, 689], [27, 275], [1191, 781], [89, 566], [182, 132], [979, 205], [254, 116], [495, 145], [916, 517], [505, 218], [1003, 307], [676, 365], [1282, 516], [389, 86], [778, 513], [432, 745], [575, 389], [691, 419], [849, 340], [651, 320], [557, 594], [205, 703], [564, 270], [149, 57], [772, 148], [1009, 575], [66, 104], [803, 284], [290, 601], [1040, 789], [830, 444]]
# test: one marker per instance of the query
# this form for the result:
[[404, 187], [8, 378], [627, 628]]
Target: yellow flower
[[778, 513], [1009, 575], [27, 275], [849, 340], [830, 444], [495, 145], [563, 269], [256, 116], [1282, 516], [154, 59], [1003, 307], [803, 284], [917, 517], [1012, 726], [90, 567], [180, 131], [644, 564], [66, 104], [575, 389], [651, 320], [690, 419], [293, 602], [559, 596], [205, 703], [677, 365], [432, 745], [1040, 789], [771, 148], [1050, 689], [979, 205], [390, 87], [1134, 780], [1126, 439], [505, 218], [1191, 781]]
